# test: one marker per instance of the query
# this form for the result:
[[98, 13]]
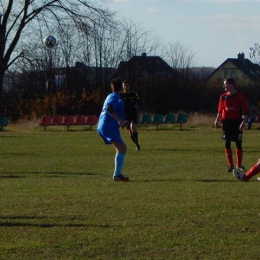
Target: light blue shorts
[[110, 134]]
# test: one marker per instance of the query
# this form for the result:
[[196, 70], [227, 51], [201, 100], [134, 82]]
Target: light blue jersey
[[108, 127]]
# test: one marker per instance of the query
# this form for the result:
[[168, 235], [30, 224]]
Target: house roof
[[150, 64], [249, 68]]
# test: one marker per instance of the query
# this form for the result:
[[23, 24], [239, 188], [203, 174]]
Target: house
[[144, 66], [148, 75], [241, 69], [80, 76]]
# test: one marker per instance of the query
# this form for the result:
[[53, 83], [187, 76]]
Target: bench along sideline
[[68, 121]]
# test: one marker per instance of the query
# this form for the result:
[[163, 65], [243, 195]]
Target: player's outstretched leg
[[135, 137], [255, 169], [238, 174]]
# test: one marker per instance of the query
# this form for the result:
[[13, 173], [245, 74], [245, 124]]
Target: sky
[[213, 30]]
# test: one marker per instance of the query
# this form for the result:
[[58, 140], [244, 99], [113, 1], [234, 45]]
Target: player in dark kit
[[233, 111], [131, 102]]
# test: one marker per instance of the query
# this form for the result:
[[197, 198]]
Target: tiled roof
[[246, 66], [150, 64]]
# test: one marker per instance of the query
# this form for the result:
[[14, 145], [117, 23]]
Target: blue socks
[[119, 161]]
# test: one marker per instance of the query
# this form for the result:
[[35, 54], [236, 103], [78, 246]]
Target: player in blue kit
[[111, 118]]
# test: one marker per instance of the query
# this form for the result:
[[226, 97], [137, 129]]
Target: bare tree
[[181, 59], [255, 53], [18, 17], [108, 44], [135, 40], [178, 56]]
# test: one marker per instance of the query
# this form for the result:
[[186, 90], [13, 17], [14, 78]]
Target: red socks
[[255, 169], [229, 157], [239, 156], [252, 172]]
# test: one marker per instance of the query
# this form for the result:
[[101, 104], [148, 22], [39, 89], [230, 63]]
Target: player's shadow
[[183, 180], [42, 222], [215, 180], [20, 174]]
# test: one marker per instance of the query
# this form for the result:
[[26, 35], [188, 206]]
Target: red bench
[[68, 121]]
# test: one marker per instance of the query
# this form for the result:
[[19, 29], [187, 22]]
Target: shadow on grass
[[12, 136], [15, 222], [44, 225], [185, 149], [156, 180], [173, 129], [46, 174], [184, 180], [11, 176], [216, 180], [18, 154]]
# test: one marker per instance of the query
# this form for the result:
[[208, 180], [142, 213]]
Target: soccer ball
[[49, 41]]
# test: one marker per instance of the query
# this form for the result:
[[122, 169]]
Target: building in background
[[241, 69]]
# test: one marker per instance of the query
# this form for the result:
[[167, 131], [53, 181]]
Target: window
[[59, 79], [233, 74], [225, 74]]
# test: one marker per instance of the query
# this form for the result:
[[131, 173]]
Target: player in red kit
[[233, 111]]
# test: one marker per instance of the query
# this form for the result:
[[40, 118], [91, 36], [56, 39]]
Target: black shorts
[[231, 130], [131, 117]]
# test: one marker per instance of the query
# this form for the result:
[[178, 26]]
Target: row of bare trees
[[24, 22], [85, 32], [93, 36]]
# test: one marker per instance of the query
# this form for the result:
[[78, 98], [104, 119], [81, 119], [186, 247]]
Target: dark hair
[[230, 81], [117, 84], [126, 82]]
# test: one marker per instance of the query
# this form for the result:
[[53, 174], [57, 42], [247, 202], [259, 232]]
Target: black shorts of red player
[[231, 130]]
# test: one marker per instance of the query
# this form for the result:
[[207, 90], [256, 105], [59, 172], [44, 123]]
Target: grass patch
[[58, 200]]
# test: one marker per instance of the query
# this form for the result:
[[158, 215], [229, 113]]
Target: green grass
[[58, 200]]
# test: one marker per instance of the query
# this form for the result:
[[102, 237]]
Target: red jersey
[[233, 106]]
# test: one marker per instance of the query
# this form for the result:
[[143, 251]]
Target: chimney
[[241, 57]]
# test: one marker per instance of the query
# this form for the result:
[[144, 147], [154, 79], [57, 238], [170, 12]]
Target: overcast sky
[[213, 29]]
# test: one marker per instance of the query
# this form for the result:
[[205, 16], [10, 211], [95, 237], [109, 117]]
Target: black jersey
[[131, 100]]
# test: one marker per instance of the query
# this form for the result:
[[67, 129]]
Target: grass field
[[58, 200]]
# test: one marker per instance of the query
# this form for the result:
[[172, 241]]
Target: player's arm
[[243, 123], [218, 117], [112, 113], [245, 116], [219, 114]]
